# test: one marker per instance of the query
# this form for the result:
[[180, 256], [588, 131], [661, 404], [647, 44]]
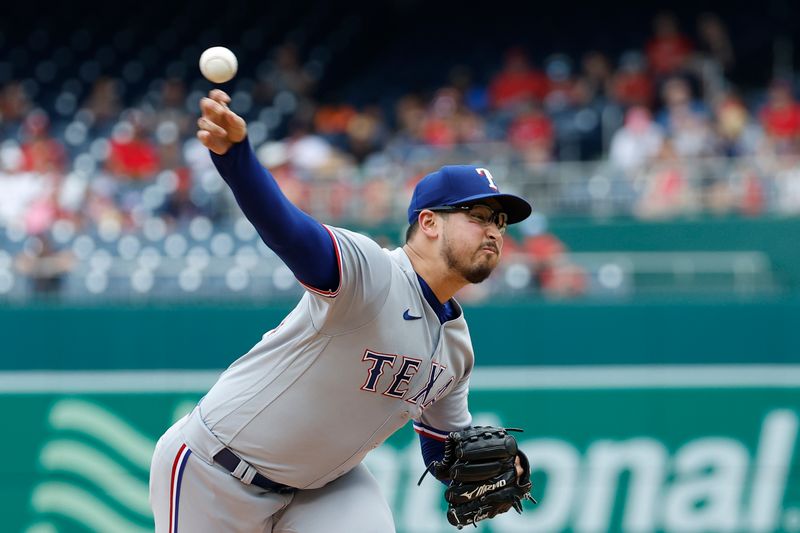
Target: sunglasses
[[479, 214]]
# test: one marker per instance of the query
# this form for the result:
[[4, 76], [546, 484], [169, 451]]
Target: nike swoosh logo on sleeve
[[408, 316]]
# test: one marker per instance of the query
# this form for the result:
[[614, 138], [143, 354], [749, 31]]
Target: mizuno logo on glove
[[483, 489]]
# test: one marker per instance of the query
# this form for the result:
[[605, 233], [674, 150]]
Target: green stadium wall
[[50, 337], [777, 237]]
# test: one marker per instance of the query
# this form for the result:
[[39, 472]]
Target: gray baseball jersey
[[342, 372]]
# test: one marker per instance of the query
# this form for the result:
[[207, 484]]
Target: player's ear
[[429, 223]]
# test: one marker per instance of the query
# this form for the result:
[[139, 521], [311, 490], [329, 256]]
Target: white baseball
[[218, 64]]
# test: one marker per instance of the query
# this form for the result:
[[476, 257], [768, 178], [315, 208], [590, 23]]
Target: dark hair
[[412, 229]]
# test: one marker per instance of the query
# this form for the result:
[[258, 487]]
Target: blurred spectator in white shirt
[[637, 142]]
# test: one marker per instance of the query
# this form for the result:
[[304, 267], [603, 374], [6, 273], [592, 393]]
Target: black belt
[[230, 462]]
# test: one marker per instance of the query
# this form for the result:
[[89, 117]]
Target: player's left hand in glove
[[480, 463]]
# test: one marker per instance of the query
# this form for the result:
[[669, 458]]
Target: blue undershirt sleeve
[[301, 242], [432, 450]]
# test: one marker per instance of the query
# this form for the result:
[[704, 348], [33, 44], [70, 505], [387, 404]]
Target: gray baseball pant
[[188, 494]]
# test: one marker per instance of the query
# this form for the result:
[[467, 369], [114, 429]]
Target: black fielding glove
[[480, 464]]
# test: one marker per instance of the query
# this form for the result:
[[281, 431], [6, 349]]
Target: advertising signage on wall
[[625, 449]]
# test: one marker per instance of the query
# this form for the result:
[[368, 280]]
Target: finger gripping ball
[[218, 64]]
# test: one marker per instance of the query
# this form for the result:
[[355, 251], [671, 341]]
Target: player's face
[[471, 245]]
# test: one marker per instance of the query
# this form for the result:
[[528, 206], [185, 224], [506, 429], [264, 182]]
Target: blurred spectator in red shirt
[[510, 247], [780, 117], [331, 120], [631, 85], [41, 152], [532, 135], [448, 122], [544, 246], [533, 127], [560, 82], [133, 154], [517, 82], [668, 51], [439, 133], [556, 276], [440, 128]]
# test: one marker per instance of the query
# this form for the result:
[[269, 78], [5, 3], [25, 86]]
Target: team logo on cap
[[488, 175]]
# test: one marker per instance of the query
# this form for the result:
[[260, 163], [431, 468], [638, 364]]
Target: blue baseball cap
[[456, 185]]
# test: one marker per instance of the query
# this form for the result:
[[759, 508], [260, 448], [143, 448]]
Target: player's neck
[[439, 278]]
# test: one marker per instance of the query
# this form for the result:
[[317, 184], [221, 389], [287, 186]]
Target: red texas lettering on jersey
[[400, 384]]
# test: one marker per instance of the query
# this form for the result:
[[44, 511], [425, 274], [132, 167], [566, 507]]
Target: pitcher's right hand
[[219, 128]]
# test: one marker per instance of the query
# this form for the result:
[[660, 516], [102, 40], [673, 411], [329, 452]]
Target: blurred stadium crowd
[[101, 176]]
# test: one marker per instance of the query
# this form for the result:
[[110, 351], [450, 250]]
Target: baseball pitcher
[[377, 340]]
